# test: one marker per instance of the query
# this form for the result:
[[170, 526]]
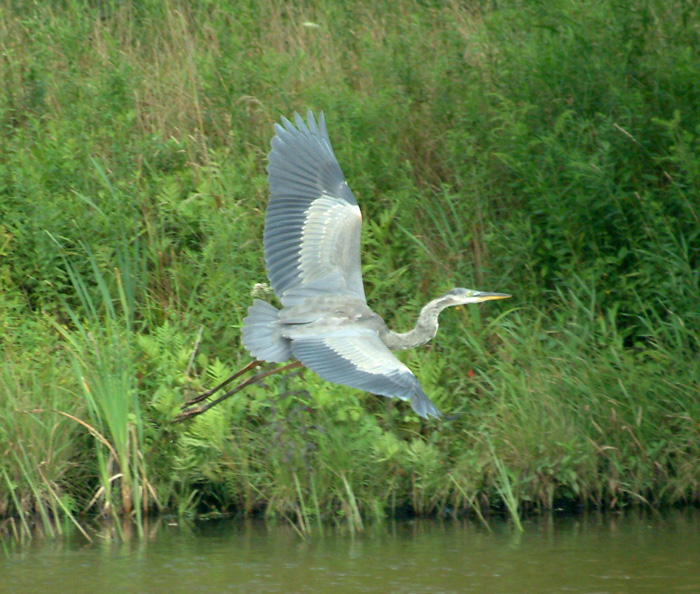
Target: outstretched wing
[[356, 357], [312, 226]]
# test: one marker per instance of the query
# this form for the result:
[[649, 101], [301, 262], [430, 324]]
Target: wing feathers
[[312, 249], [312, 226], [356, 357]]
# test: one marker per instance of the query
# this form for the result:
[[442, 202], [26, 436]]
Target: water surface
[[611, 553]]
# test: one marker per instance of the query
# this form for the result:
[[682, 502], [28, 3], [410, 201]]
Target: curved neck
[[425, 329]]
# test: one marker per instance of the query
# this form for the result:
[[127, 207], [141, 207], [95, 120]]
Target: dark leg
[[190, 411], [208, 393]]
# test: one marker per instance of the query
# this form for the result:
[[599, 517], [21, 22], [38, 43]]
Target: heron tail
[[262, 334]]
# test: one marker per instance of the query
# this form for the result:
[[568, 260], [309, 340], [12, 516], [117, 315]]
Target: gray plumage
[[312, 252], [262, 334]]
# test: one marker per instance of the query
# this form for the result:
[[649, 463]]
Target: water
[[610, 553]]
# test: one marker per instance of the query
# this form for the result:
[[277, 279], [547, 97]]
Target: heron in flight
[[312, 253]]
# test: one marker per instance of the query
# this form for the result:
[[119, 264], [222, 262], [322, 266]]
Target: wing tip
[[316, 126], [423, 406]]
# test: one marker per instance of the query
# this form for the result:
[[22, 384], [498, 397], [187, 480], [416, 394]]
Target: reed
[[103, 360]]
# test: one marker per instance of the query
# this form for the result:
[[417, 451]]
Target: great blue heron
[[312, 252]]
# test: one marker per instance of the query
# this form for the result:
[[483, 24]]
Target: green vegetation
[[550, 150]]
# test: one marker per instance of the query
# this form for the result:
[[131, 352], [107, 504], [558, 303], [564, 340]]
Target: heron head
[[461, 296]]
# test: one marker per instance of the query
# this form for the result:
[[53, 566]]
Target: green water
[[610, 553]]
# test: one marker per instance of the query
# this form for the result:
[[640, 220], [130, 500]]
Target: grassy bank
[[552, 152]]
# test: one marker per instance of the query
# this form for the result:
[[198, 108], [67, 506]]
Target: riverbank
[[547, 152]]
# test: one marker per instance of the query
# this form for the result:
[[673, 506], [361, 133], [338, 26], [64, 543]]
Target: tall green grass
[[101, 342], [548, 150], [38, 445]]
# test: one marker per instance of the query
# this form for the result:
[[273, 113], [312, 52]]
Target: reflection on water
[[610, 553]]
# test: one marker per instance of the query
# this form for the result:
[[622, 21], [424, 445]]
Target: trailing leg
[[193, 411]]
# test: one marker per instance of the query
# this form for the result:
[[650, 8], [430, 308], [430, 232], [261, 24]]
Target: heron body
[[312, 253]]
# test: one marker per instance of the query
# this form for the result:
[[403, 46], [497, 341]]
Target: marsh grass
[[545, 150], [505, 488], [103, 361], [38, 445]]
